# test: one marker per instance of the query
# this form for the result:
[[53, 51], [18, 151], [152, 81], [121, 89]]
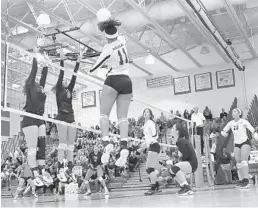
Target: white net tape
[[85, 102]]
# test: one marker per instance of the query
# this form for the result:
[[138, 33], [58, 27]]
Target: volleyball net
[[16, 67]]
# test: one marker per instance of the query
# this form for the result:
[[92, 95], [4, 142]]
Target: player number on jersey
[[123, 56]]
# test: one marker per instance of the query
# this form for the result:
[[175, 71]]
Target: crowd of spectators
[[86, 140]]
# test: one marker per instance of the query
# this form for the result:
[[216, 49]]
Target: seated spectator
[[223, 114], [132, 161]]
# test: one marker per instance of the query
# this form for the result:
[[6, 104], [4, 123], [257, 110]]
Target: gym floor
[[222, 196]]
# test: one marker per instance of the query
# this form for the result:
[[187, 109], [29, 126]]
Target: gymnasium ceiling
[[167, 29]]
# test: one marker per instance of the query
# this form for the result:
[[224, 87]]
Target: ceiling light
[[19, 30], [204, 50], [43, 19], [150, 60]]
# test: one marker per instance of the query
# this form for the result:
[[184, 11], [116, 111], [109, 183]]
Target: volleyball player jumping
[[66, 134], [35, 129], [242, 145], [117, 88]]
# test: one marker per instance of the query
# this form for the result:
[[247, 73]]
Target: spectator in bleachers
[[223, 114], [162, 117], [132, 160], [171, 115], [178, 114], [187, 115], [207, 113]]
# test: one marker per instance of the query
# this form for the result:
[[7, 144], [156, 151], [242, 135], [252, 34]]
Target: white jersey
[[239, 130], [150, 132], [115, 56]]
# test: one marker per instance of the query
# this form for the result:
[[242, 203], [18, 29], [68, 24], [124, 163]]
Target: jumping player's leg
[[31, 137], [40, 156], [123, 102], [62, 136], [70, 143], [245, 152], [107, 100]]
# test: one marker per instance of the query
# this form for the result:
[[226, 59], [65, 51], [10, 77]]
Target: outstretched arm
[[60, 77], [44, 72], [33, 72], [73, 80]]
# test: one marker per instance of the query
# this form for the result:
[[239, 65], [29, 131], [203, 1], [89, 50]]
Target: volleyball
[[103, 15]]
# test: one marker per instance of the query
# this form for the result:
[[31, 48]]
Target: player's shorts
[[121, 83]]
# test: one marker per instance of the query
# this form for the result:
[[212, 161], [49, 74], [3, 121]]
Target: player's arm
[[226, 129], [105, 55], [251, 129]]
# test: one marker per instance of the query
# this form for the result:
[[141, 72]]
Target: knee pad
[[105, 158], [239, 165], [150, 170], [32, 151], [175, 169], [121, 120], [244, 163], [62, 146], [100, 179], [109, 148], [70, 147]]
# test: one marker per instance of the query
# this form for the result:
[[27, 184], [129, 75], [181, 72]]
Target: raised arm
[[73, 80], [43, 77], [44, 72], [59, 83], [33, 72], [105, 55]]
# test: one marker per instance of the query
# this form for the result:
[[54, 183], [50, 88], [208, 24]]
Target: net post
[[5, 75], [198, 176]]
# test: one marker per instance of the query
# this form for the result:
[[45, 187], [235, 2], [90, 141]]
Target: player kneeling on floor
[[188, 164]]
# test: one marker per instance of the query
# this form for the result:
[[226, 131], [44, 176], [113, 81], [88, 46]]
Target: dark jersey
[[64, 95], [95, 160], [35, 95], [188, 152]]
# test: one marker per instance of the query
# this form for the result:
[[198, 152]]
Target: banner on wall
[[159, 81], [182, 85], [88, 99], [225, 78]]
